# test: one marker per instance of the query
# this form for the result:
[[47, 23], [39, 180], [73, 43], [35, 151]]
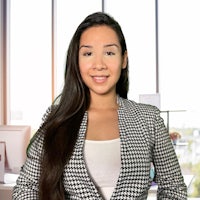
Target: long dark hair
[[62, 124]]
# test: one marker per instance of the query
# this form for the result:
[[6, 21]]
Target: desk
[[6, 191], [7, 187]]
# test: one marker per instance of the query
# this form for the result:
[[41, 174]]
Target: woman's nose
[[100, 67], [99, 64]]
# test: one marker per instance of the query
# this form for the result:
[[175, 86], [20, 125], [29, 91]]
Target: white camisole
[[103, 162]]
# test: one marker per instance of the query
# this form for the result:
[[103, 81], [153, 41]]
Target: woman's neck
[[103, 102]]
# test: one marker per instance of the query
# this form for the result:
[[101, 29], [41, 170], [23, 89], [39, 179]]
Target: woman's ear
[[125, 60]]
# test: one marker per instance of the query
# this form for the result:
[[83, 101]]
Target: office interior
[[163, 48]]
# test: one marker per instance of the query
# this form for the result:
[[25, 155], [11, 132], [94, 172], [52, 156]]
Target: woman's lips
[[100, 79]]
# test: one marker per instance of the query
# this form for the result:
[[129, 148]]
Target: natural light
[[179, 49]]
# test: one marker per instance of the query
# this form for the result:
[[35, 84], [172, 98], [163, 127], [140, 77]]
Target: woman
[[94, 142]]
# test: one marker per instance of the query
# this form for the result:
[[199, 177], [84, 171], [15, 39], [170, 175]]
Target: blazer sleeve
[[168, 174], [27, 184]]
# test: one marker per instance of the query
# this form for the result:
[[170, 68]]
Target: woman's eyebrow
[[105, 46], [85, 46], [110, 45]]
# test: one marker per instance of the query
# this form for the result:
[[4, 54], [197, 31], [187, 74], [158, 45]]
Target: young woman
[[94, 143]]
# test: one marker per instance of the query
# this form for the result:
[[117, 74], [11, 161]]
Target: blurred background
[[163, 39]]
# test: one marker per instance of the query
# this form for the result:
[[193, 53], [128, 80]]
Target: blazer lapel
[[134, 137], [77, 180]]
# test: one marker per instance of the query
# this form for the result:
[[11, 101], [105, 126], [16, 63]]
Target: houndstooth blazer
[[144, 140]]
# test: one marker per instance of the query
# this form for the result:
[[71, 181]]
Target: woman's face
[[100, 59]]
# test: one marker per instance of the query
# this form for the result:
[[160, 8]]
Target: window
[[179, 50], [30, 61]]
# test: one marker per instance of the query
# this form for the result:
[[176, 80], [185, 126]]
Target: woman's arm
[[168, 172]]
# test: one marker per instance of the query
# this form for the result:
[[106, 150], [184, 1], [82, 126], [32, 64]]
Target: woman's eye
[[110, 53], [87, 54]]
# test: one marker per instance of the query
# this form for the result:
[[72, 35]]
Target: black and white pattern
[[144, 139]]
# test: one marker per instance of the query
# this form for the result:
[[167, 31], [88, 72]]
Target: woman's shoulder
[[142, 107], [37, 139]]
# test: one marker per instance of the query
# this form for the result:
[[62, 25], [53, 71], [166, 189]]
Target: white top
[[103, 162]]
